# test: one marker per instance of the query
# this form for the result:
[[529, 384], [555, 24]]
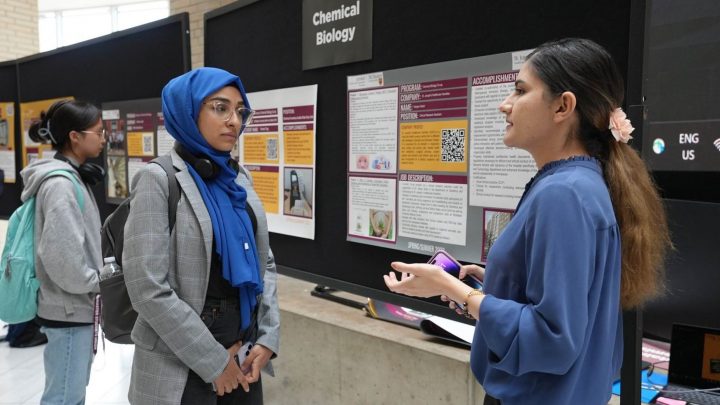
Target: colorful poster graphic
[[136, 132], [278, 148], [31, 112], [434, 134], [7, 140]]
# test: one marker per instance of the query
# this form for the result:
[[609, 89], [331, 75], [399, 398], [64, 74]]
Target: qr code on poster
[[147, 145], [271, 151], [453, 145]]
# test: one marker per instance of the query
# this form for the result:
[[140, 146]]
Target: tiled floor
[[22, 376]]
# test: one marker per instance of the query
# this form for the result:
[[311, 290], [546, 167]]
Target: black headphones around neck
[[90, 173], [203, 165]]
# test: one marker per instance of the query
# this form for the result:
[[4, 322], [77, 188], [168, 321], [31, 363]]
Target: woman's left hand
[[418, 279], [255, 361]]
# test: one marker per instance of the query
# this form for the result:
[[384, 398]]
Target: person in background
[[68, 257], [207, 288], [587, 239]]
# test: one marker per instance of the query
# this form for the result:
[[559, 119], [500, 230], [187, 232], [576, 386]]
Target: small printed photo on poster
[[4, 133], [271, 149], [298, 192], [381, 224], [362, 162], [117, 177], [494, 222], [380, 162], [116, 137]]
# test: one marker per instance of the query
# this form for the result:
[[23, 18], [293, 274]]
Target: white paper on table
[[460, 330]]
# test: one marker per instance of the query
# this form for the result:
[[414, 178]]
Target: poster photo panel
[[278, 147], [7, 141], [134, 128]]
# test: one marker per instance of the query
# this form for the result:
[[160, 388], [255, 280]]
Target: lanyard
[[96, 321]]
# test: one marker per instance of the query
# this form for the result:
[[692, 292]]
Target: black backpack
[[118, 315]]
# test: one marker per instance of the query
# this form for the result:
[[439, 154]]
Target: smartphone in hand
[[449, 264], [242, 354]]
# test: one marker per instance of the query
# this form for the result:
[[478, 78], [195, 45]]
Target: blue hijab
[[224, 199]]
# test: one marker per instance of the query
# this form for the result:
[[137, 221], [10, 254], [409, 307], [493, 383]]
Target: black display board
[[261, 42], [692, 294], [680, 81], [130, 64]]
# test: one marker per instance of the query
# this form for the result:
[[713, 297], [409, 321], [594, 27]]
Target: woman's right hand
[[472, 270], [232, 376]]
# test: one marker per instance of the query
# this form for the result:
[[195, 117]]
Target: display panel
[[682, 78], [427, 167], [278, 147], [406, 34], [681, 129]]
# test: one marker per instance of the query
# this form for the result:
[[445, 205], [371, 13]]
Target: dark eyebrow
[[226, 100]]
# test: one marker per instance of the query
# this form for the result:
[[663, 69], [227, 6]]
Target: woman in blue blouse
[[587, 239]]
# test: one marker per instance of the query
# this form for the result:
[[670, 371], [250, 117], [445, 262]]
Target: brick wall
[[18, 29], [197, 10]]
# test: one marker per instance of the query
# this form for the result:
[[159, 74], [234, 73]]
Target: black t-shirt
[[218, 287]]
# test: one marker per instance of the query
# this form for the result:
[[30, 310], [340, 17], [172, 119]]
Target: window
[[68, 26], [132, 15]]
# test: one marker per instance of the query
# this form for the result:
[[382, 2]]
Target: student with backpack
[[67, 243], [204, 289]]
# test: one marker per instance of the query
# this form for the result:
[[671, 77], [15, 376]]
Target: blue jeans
[[68, 358]]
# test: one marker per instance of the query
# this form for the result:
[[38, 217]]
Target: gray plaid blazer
[[167, 276]]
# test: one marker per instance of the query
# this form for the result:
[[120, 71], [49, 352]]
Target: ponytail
[[61, 118], [643, 226]]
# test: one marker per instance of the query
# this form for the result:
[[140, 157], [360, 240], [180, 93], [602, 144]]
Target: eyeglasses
[[224, 111], [102, 133]]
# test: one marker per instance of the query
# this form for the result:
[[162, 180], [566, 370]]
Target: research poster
[[31, 112], [427, 167], [136, 135], [278, 148], [7, 140]]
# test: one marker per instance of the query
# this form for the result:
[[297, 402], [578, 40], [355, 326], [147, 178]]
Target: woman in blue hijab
[[203, 287]]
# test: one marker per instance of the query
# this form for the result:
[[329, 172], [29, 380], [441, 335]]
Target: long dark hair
[[60, 119], [588, 71]]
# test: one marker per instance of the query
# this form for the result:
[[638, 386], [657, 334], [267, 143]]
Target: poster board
[[7, 140], [278, 148], [136, 135], [427, 167]]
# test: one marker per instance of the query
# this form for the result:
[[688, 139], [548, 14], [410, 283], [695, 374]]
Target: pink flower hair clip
[[620, 126]]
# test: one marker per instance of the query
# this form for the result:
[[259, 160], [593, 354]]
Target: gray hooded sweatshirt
[[67, 243]]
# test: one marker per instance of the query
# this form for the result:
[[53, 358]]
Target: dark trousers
[[198, 392], [491, 401], [222, 317]]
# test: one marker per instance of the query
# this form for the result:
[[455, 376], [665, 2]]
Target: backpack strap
[[76, 183], [165, 162], [242, 170]]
